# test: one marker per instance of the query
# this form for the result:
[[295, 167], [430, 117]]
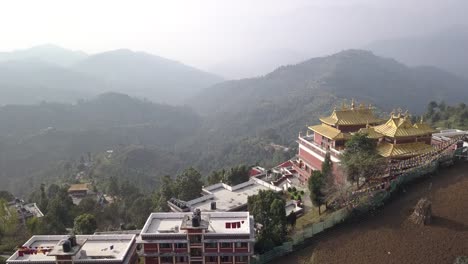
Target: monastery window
[[181, 245], [226, 245], [165, 245], [195, 239], [241, 245], [211, 245], [195, 252], [226, 259], [241, 258], [212, 259], [166, 259], [181, 259]]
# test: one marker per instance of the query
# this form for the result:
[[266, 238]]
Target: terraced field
[[386, 236]]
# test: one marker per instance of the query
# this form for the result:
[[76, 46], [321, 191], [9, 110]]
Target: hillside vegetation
[[290, 97], [445, 116]]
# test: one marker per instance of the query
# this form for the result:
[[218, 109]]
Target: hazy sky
[[236, 38]]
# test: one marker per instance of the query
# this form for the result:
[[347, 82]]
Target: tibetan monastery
[[330, 136], [398, 138]]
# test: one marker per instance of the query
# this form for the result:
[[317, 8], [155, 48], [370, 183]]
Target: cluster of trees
[[268, 210], [185, 186], [233, 176], [442, 115], [360, 159]]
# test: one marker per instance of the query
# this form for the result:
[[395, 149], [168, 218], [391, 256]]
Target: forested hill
[[36, 140], [351, 73], [107, 111]]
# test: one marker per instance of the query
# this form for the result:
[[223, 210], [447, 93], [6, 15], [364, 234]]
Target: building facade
[[199, 237]]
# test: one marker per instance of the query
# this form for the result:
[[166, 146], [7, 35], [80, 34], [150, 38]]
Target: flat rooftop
[[166, 224], [229, 198], [95, 248]]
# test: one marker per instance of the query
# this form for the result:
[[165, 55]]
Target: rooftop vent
[[66, 245], [196, 218]]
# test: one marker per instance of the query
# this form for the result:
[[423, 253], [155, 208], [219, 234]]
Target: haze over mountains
[[445, 49], [51, 73]]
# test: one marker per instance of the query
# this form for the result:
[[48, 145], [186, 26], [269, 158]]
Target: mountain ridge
[[136, 73]]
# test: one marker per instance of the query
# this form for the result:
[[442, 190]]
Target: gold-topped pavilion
[[399, 138]]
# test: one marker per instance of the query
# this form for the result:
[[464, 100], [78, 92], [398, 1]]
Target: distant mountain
[[444, 49], [48, 53], [291, 96], [30, 81], [146, 76], [50, 73]]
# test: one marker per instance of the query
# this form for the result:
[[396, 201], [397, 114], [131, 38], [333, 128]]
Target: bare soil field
[[387, 236]]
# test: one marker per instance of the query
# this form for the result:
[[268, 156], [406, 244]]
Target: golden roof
[[405, 150], [360, 115], [370, 132], [329, 132], [400, 126], [78, 187]]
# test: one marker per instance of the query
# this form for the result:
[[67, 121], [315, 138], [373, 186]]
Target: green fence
[[370, 200]]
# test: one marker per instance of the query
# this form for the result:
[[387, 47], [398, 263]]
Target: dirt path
[[387, 237]]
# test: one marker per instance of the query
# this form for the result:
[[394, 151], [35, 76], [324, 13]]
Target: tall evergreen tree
[[316, 185]]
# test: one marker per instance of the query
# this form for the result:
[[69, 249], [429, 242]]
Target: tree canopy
[[268, 210], [360, 158], [85, 224]]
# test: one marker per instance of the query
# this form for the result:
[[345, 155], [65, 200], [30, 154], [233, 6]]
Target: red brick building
[[199, 237]]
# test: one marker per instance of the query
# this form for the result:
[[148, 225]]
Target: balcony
[[320, 150]]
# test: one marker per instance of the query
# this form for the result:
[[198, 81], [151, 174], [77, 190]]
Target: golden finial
[[370, 106], [352, 104], [392, 114], [422, 119], [367, 124], [343, 105]]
